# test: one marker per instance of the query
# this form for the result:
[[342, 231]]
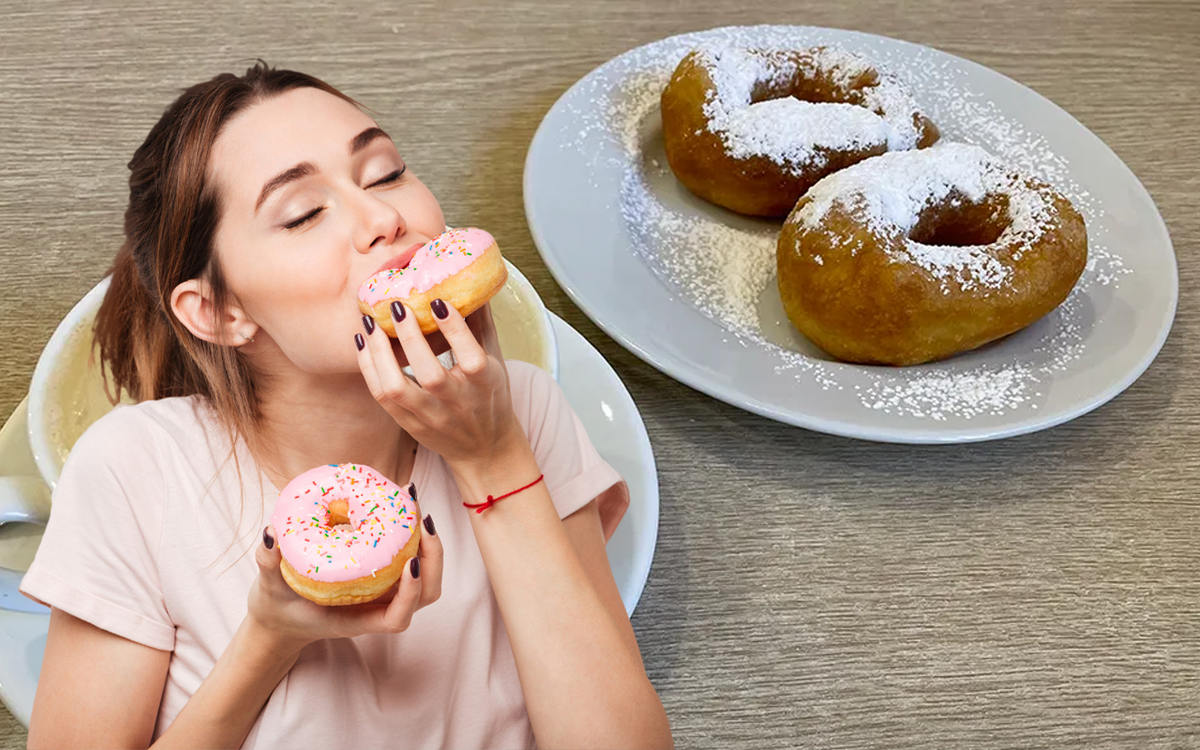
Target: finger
[[430, 553], [268, 558], [398, 615], [385, 379], [472, 358], [425, 365]]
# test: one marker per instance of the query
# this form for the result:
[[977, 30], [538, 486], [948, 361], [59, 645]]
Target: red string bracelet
[[481, 507]]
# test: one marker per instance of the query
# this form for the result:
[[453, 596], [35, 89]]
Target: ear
[[192, 303]]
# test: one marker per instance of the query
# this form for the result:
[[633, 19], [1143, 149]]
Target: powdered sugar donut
[[914, 256], [345, 532], [752, 129], [462, 267]]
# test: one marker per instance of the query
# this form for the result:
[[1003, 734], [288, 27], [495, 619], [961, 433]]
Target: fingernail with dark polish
[[359, 341], [398, 311], [268, 540], [439, 309], [369, 324], [412, 491], [415, 566], [429, 526]]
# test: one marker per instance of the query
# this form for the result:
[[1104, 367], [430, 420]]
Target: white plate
[[628, 243], [594, 392]]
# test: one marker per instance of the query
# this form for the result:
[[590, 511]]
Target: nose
[[380, 223]]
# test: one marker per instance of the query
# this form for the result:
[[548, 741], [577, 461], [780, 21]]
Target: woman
[[258, 204]]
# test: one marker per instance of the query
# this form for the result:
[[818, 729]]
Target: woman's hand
[[581, 674], [293, 622], [464, 414]]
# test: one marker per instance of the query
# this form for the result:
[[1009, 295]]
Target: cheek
[[311, 300], [309, 308], [297, 285], [423, 212]]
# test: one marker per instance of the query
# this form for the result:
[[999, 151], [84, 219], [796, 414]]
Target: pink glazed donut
[[461, 267], [345, 532]]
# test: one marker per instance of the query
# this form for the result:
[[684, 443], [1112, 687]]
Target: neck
[[329, 420]]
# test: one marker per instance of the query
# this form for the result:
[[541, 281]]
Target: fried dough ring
[[915, 256], [741, 130]]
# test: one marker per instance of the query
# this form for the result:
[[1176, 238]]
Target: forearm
[[228, 702], [583, 681]]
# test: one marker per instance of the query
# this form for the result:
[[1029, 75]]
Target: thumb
[[267, 555]]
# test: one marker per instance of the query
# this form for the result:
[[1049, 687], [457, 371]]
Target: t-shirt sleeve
[[98, 557], [575, 473]]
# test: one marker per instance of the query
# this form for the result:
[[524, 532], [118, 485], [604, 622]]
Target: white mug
[[26, 499]]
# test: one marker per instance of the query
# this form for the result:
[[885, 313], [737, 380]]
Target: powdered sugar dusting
[[965, 393], [891, 191], [724, 264], [794, 134], [798, 134], [721, 269], [970, 267]]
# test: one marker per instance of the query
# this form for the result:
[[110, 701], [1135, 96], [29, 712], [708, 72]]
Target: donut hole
[[339, 513], [961, 222], [818, 86], [813, 91]]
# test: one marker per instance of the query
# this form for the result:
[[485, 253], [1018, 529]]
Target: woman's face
[[315, 198]]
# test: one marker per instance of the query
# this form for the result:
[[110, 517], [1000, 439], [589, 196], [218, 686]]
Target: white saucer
[[22, 635], [615, 427], [595, 393]]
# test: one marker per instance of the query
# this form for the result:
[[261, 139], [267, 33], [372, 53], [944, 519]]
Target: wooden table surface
[[1038, 591]]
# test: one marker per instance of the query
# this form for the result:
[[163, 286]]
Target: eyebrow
[[364, 138], [304, 168]]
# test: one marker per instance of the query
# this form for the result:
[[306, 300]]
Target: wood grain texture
[[807, 590]]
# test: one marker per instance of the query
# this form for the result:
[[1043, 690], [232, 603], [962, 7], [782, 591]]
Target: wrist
[[509, 452], [258, 638], [502, 471]]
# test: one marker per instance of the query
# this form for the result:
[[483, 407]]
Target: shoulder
[[133, 452], [175, 414], [132, 433], [536, 395], [551, 425]]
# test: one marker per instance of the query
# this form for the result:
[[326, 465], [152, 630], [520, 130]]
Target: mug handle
[[22, 500], [11, 597]]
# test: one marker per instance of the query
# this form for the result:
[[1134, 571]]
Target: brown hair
[[169, 227]]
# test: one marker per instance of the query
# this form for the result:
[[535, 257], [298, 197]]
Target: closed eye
[[297, 222], [391, 177], [396, 175]]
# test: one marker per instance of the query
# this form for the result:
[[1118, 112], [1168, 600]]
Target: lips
[[401, 260]]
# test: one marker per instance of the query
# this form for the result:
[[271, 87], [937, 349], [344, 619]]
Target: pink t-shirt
[[150, 538]]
